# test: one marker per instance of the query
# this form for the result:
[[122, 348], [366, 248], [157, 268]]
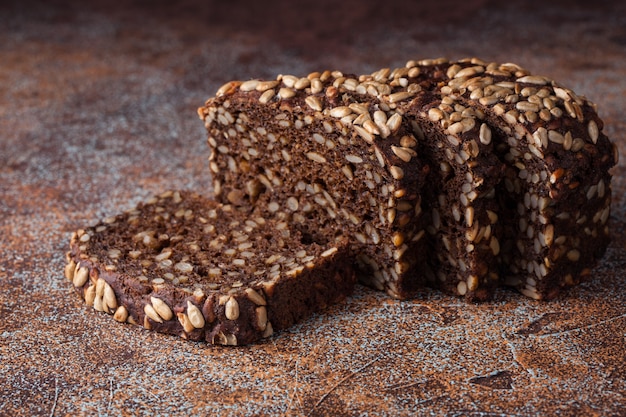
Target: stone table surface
[[98, 112]]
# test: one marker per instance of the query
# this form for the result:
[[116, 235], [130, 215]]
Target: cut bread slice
[[183, 264]]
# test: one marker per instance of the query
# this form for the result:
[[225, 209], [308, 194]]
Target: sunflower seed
[[195, 315], [80, 277], [121, 314], [161, 308], [231, 309], [151, 313]]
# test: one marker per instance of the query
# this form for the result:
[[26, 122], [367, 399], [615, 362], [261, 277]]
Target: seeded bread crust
[[460, 175], [185, 265]]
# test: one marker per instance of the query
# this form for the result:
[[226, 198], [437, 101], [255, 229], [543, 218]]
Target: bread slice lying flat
[[185, 265]]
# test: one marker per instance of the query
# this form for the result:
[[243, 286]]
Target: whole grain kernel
[[347, 171], [472, 283], [100, 283], [292, 203], [184, 321], [398, 239], [302, 83], [266, 85], [469, 216], [228, 88], [364, 133], [183, 267], [435, 114], [402, 153], [573, 255], [494, 245], [470, 71], [355, 159], [394, 122]]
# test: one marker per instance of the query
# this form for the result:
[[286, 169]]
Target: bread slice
[[555, 191], [183, 264]]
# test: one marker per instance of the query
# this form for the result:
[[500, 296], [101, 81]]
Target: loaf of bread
[[185, 265], [458, 175], [463, 176]]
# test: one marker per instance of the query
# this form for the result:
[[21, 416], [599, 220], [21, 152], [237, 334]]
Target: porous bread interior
[[192, 242]]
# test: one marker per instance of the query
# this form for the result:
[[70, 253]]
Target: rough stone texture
[[97, 112]]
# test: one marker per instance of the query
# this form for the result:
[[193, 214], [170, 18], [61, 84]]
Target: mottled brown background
[[98, 111]]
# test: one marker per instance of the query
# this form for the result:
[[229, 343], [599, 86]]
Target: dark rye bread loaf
[[459, 175], [185, 265]]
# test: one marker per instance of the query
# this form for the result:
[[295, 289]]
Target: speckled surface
[[98, 112]]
